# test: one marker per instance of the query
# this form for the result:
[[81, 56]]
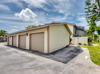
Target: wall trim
[[48, 37]]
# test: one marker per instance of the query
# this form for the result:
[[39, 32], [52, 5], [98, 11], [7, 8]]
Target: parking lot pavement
[[14, 61]]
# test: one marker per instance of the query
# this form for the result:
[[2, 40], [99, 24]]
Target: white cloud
[[82, 21], [98, 23], [9, 17], [87, 27], [15, 23], [61, 18], [40, 19], [35, 3], [15, 26], [29, 3], [4, 7], [26, 14], [63, 6], [17, 2], [13, 30]]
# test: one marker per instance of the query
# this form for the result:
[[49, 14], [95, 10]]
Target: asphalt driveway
[[14, 61], [63, 55]]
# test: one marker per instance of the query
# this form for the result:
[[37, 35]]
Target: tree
[[32, 26], [96, 37], [88, 33], [98, 30], [3, 33], [97, 3], [92, 14]]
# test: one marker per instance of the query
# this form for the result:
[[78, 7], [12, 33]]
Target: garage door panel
[[37, 42], [22, 41], [14, 40]]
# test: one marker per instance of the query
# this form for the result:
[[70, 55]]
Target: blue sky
[[15, 15]]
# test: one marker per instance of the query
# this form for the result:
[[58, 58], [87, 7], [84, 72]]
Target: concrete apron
[[81, 65]]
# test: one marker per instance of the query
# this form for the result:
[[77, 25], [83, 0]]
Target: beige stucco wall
[[72, 29], [7, 40], [10, 39], [82, 40], [17, 40], [28, 42], [28, 38], [58, 37]]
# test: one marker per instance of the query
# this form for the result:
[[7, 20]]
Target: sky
[[15, 15]]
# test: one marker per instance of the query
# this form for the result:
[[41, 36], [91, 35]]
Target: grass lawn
[[94, 53], [5, 43]]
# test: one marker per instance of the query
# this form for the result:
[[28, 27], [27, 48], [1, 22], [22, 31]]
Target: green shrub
[[89, 41], [79, 43], [84, 44], [70, 39], [98, 40]]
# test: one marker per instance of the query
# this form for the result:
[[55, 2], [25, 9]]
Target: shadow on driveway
[[63, 55]]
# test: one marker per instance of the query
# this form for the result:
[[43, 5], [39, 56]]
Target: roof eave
[[27, 30], [43, 26]]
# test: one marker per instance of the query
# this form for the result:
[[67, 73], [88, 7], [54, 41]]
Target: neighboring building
[[80, 32], [46, 38], [72, 28], [3, 38], [77, 31]]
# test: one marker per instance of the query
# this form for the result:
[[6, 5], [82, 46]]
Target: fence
[[77, 40]]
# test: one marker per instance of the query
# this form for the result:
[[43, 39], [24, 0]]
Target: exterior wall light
[[26, 34]]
